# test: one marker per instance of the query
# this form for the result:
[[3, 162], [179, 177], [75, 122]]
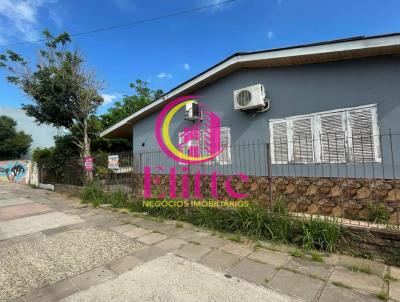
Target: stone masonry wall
[[338, 197]]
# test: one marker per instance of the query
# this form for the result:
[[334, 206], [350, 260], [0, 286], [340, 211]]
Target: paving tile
[[123, 228], [137, 232], [309, 267], [270, 257], [171, 244], [213, 241], [220, 260], [53, 292], [190, 235], [56, 231], [332, 293], [33, 224], [34, 236], [376, 268], [193, 251], [364, 282], [13, 201], [90, 278], [152, 238], [125, 264], [18, 211], [296, 284], [253, 271], [394, 289], [236, 249], [150, 253]]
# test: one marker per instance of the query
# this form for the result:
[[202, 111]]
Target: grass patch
[[340, 284], [377, 213], [389, 278], [236, 238], [315, 256], [383, 295], [179, 225], [297, 253], [255, 222], [363, 268]]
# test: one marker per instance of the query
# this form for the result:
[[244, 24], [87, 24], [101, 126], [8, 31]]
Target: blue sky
[[170, 51]]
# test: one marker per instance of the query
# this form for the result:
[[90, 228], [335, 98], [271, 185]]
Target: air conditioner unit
[[252, 97], [192, 112]]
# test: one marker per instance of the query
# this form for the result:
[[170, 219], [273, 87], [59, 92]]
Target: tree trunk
[[86, 150]]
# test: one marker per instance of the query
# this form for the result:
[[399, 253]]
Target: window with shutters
[[196, 145], [349, 135]]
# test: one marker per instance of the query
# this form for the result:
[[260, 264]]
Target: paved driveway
[[53, 248]]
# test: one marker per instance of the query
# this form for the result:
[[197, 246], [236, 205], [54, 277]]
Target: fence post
[[269, 168]]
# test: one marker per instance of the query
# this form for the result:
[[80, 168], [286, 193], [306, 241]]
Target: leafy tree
[[13, 144], [142, 96], [64, 92]]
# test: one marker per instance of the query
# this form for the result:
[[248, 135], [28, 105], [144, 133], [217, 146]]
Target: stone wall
[[339, 197]]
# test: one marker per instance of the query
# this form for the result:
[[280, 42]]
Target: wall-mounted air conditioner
[[252, 97], [192, 112]]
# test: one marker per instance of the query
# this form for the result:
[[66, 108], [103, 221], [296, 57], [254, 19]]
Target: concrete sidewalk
[[52, 247]]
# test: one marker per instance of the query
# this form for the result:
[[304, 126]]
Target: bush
[[259, 223], [118, 198], [378, 213], [94, 194]]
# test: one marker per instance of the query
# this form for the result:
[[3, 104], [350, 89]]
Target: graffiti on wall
[[16, 171]]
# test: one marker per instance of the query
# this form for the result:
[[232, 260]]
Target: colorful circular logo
[[163, 137]]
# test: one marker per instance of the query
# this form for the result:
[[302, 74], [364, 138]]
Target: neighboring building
[[42, 135], [332, 104]]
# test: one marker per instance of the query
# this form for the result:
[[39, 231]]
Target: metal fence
[[352, 178]]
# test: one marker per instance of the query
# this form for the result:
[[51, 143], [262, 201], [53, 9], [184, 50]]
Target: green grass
[[388, 278], [377, 213], [315, 256], [383, 295], [179, 225], [255, 222], [236, 238], [297, 253]]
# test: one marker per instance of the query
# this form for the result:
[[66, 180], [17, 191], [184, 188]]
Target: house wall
[[297, 90]]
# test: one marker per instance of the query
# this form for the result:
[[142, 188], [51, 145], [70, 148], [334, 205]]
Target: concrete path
[[52, 247]]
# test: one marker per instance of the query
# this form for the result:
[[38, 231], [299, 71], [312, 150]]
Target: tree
[[64, 92], [142, 96], [13, 144]]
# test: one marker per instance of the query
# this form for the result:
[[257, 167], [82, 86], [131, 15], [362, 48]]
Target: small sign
[[113, 162], [88, 163]]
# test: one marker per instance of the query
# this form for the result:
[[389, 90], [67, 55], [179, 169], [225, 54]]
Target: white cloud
[[270, 34], [186, 66], [164, 75], [19, 19], [109, 98]]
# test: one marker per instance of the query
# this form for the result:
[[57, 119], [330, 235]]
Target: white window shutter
[[302, 137], [225, 157], [363, 134], [332, 137], [279, 142]]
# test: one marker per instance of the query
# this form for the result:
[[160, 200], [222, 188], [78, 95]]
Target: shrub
[[94, 194], [118, 198], [378, 213], [257, 222]]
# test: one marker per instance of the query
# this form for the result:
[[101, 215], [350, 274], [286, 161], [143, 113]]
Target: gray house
[[327, 109]]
